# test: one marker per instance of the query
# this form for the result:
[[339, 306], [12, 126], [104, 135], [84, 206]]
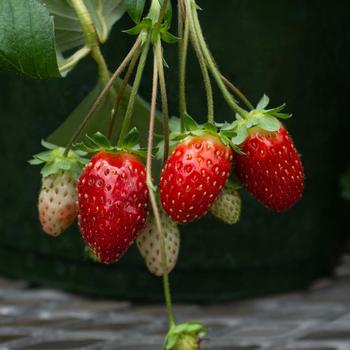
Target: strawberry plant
[[102, 169]]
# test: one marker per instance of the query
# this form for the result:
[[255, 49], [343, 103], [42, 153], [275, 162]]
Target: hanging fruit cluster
[[110, 188]]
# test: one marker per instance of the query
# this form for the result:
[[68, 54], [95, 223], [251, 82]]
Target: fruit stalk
[[183, 33], [165, 109], [162, 13], [196, 27], [139, 72], [91, 38], [203, 66], [238, 92], [151, 189], [103, 93], [121, 92]]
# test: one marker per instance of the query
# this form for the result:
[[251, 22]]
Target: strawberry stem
[[183, 33], [103, 94], [151, 188], [238, 92], [121, 92], [134, 91], [192, 8], [92, 40], [163, 92], [162, 13], [202, 64]]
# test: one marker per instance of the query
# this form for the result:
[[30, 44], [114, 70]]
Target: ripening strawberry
[[194, 176], [57, 203], [112, 201], [228, 206], [270, 168], [149, 242]]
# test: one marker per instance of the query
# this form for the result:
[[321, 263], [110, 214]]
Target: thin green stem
[[238, 92], [162, 13], [152, 195], [103, 94], [91, 38], [72, 61], [164, 98], [134, 91], [202, 64], [183, 32], [211, 63], [121, 92]]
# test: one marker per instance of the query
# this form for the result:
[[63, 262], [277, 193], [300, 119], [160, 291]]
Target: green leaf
[[43, 156], [68, 32], [135, 9], [27, 39], [276, 109], [263, 103], [35, 161], [132, 138], [145, 24], [281, 115], [175, 124], [169, 38], [241, 135], [101, 140], [190, 123], [269, 123], [48, 145], [210, 127], [171, 341]]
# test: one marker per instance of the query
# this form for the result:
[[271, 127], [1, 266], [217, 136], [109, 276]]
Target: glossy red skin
[[194, 176], [271, 169], [112, 202]]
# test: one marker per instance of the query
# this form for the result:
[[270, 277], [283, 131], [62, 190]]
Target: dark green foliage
[[27, 42]]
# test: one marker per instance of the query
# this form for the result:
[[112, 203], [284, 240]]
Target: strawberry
[[57, 199], [57, 203], [185, 336], [148, 243], [228, 206], [194, 176], [270, 168], [112, 202]]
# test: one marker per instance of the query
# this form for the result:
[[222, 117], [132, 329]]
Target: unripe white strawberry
[[57, 203], [57, 199], [148, 243], [228, 206]]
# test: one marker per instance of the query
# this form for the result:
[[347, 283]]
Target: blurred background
[[295, 51]]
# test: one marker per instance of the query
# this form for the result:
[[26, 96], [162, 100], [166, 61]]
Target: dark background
[[296, 52]]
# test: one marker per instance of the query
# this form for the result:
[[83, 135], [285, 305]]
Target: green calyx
[[185, 336], [150, 27], [99, 143], [192, 128], [55, 160], [260, 117]]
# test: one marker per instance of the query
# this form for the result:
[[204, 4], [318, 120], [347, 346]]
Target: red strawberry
[[194, 176], [112, 201], [271, 168]]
